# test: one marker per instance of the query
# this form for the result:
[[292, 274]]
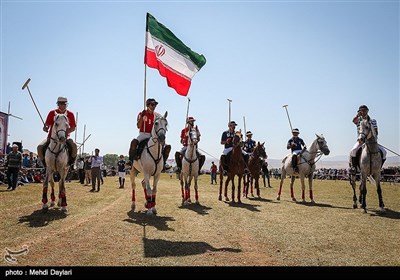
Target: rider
[[362, 113], [62, 103], [184, 141], [296, 144], [248, 146], [227, 141], [145, 123]]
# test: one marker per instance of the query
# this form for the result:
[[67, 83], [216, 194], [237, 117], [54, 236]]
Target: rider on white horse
[[184, 141], [296, 144], [62, 103], [145, 123], [362, 113]]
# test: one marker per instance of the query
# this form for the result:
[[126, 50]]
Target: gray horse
[[306, 167], [370, 165]]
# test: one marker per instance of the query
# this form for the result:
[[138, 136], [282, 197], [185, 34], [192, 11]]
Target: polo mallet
[[26, 86], [287, 113], [187, 111], [230, 101]]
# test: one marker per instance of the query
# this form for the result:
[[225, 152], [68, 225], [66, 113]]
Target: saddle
[[358, 156]]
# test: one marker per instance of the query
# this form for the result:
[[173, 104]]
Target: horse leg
[[251, 186], [239, 189], [221, 179], [45, 207], [226, 188], [303, 189], [188, 188], [52, 196], [245, 185], [310, 179], [353, 186], [233, 188], [283, 175], [63, 196], [154, 193], [379, 191], [182, 188], [133, 185], [196, 192], [257, 186], [291, 188], [363, 193]]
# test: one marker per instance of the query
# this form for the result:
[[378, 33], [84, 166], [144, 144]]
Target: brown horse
[[255, 163], [235, 167]]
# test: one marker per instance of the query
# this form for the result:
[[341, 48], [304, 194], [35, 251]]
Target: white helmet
[[62, 99]]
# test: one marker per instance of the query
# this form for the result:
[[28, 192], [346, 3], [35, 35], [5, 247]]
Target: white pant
[[227, 150], [358, 144], [143, 135]]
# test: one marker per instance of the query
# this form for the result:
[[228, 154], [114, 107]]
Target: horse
[[255, 163], [370, 165], [236, 167], [190, 168], [306, 167], [56, 158], [150, 164]]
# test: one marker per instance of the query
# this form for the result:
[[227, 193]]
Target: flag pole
[[244, 124], [187, 111], [145, 69]]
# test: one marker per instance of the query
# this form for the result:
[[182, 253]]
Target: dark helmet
[[363, 107], [150, 101]]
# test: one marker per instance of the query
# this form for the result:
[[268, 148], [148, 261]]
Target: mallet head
[[26, 84]]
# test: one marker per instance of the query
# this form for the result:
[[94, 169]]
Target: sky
[[321, 58]]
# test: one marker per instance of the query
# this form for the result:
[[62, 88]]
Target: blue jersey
[[296, 140], [121, 165], [249, 145], [225, 135]]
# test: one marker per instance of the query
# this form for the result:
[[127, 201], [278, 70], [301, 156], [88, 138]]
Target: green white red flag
[[173, 59]]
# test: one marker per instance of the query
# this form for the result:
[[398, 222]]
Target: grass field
[[101, 230]]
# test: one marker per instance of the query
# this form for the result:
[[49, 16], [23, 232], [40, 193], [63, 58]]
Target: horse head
[[322, 144], [366, 130], [60, 127], [259, 151], [160, 128], [193, 135], [238, 138]]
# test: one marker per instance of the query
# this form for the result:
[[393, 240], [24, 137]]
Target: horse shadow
[[143, 219], [156, 248], [198, 208], [323, 205], [261, 199], [390, 214], [40, 219], [249, 207]]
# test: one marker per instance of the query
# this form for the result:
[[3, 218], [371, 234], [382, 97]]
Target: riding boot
[[72, 151], [353, 168], [178, 161], [294, 163], [120, 182], [224, 163], [41, 151], [202, 159], [132, 150], [166, 151]]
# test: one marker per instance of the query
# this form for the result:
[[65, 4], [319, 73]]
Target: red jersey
[[51, 116], [148, 121], [185, 136]]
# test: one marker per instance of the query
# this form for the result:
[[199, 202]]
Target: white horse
[[56, 158], [370, 165], [150, 164], [190, 168], [306, 167]]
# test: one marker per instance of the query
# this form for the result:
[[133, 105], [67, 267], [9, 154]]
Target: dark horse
[[255, 163], [370, 165], [235, 167]]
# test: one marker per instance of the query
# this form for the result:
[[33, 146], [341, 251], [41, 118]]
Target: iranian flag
[[174, 60]]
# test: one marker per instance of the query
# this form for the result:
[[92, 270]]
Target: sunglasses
[[153, 104]]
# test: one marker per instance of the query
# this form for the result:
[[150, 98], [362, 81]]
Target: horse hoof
[[303, 200], [133, 206], [293, 199], [45, 208], [154, 210], [220, 198], [59, 203], [354, 206], [52, 204], [278, 198], [186, 203], [197, 202], [312, 201], [382, 210], [364, 210], [64, 209], [149, 212], [227, 199], [189, 200]]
